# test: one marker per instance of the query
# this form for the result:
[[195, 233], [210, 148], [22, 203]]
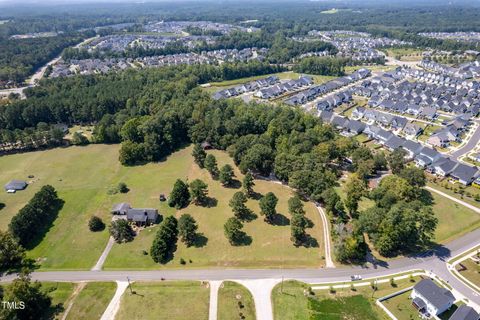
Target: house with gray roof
[[15, 185], [465, 312], [137, 216], [444, 166], [394, 142], [464, 174], [412, 130], [430, 299], [412, 148]]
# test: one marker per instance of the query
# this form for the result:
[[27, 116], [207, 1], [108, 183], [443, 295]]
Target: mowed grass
[[290, 302], [61, 293], [472, 273], [271, 246], [454, 220], [81, 176], [233, 300], [92, 301], [180, 300], [401, 306]]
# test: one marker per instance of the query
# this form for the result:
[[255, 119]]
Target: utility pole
[[129, 285]]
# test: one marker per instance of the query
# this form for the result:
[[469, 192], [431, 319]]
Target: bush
[[182, 261], [121, 231], [122, 187], [96, 224]]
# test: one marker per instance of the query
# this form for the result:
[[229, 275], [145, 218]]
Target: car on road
[[356, 277]]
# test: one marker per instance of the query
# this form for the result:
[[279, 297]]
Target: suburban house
[[444, 166], [413, 148], [430, 299], [138, 216], [426, 156], [15, 185], [464, 174], [465, 312], [412, 130]]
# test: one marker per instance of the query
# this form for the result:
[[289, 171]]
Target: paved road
[[474, 139], [435, 260]]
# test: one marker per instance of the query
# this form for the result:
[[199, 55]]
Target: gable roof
[[412, 146], [394, 142], [465, 312], [464, 172], [436, 296], [142, 215]]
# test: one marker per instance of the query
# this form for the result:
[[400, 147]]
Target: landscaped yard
[[179, 300], [472, 273], [270, 244], [342, 304], [233, 300], [401, 306], [92, 301]]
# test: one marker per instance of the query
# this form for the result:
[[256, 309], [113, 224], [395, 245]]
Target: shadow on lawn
[[234, 184], [200, 240], [47, 224], [280, 220]]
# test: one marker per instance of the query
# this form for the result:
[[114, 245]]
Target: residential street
[[468, 146]]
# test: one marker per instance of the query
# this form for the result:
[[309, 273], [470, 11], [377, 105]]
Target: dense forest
[[19, 58]]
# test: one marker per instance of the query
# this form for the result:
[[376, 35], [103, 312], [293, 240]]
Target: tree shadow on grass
[[309, 223], [243, 240], [310, 242], [425, 197], [280, 220], [47, 224], [248, 216], [256, 195], [210, 202], [234, 184], [2, 205], [200, 240]]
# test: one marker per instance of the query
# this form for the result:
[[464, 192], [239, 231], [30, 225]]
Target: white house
[[429, 298]]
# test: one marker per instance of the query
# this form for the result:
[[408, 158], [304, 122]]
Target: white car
[[356, 277]]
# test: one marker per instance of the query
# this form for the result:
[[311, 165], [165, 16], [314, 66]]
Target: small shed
[[15, 185]]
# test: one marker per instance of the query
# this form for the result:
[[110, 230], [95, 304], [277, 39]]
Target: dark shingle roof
[[465, 312], [438, 297], [142, 215], [464, 172]]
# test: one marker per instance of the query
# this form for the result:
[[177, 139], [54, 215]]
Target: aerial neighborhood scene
[[257, 159]]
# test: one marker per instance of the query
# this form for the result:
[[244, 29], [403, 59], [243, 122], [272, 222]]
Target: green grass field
[[233, 299], [271, 245], [344, 303], [61, 293], [181, 300], [401, 306], [454, 219], [405, 54], [92, 301], [82, 176], [472, 273]]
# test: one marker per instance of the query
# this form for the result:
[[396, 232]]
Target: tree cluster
[[33, 220], [164, 244]]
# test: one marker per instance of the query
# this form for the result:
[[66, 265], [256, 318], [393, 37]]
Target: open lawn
[[472, 273], [180, 300], [405, 54], [92, 301], [82, 177], [341, 304], [61, 293], [233, 300], [401, 306], [351, 69], [454, 219], [270, 244]]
